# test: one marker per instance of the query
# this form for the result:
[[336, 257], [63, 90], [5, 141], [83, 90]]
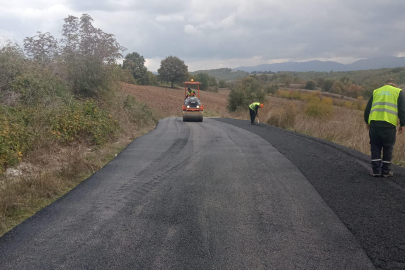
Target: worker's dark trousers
[[382, 138], [252, 115]]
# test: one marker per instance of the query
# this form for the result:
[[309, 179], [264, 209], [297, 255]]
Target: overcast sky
[[210, 34]]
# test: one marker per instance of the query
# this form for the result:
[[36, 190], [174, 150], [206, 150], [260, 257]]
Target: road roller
[[193, 110]]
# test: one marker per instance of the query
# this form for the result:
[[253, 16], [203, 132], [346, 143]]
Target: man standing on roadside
[[381, 115], [253, 108]]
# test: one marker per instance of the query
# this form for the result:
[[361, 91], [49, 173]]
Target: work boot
[[386, 169], [376, 166]]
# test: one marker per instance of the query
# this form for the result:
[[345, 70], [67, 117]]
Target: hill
[[322, 66], [226, 74]]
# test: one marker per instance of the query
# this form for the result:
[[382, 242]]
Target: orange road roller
[[193, 110]]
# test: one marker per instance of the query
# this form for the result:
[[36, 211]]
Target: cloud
[[191, 30], [213, 33], [170, 18], [228, 21]]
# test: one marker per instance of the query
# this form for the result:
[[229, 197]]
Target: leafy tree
[[245, 92], [89, 55], [310, 85], [287, 81], [42, 47], [152, 79], [203, 78], [327, 85], [136, 63], [271, 89], [319, 82], [222, 84], [212, 81], [11, 64], [172, 70]]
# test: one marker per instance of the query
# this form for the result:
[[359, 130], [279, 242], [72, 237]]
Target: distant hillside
[[322, 66], [226, 74]]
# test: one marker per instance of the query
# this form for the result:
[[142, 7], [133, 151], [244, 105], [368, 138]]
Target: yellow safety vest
[[385, 105], [253, 105]]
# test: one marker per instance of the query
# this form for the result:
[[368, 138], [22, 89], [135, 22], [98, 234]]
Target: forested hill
[[226, 74], [322, 66]]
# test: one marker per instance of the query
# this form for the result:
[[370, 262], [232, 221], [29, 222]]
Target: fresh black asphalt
[[373, 209], [221, 194]]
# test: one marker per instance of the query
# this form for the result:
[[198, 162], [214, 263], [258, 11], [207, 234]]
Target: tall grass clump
[[284, 118], [319, 109]]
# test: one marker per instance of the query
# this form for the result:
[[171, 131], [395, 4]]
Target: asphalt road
[[217, 195]]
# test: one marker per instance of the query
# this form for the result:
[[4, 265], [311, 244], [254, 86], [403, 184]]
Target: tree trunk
[[172, 84]]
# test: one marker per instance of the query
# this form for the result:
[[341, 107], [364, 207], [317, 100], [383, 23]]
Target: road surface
[[221, 194]]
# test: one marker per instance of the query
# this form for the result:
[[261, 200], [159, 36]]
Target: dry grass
[[53, 169], [346, 127]]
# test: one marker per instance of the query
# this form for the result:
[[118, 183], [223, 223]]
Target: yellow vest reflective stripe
[[252, 106], [385, 105]]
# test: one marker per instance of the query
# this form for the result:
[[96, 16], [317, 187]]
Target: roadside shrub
[[84, 121], [245, 92], [236, 99], [13, 137], [38, 86], [319, 109], [284, 118], [139, 113]]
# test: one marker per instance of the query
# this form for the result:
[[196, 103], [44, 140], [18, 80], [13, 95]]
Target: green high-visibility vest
[[253, 105], [385, 105]]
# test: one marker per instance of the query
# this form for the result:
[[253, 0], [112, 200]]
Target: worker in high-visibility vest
[[253, 108], [381, 115], [190, 93]]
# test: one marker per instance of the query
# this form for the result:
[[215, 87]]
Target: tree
[[310, 85], [172, 70], [203, 78], [222, 84], [248, 90], [42, 47], [136, 63], [327, 85], [212, 81], [89, 55], [287, 81]]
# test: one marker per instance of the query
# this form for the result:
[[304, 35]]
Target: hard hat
[[261, 105]]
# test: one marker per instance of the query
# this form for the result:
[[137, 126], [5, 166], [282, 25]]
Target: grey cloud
[[280, 29], [149, 6]]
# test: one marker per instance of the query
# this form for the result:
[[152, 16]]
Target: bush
[[271, 89], [310, 85], [139, 114], [84, 121], [38, 86], [320, 110], [14, 136], [244, 93], [222, 84], [286, 118], [236, 99]]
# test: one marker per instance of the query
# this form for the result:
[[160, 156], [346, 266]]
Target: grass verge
[[57, 166]]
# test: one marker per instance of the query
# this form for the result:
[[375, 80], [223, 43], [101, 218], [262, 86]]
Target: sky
[[209, 34]]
